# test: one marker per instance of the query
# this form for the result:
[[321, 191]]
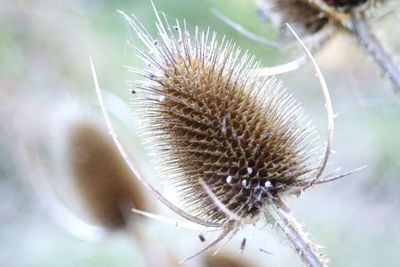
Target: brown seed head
[[313, 16], [225, 260], [218, 129], [306, 18], [101, 175]]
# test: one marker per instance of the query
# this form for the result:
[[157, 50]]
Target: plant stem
[[291, 230], [374, 47]]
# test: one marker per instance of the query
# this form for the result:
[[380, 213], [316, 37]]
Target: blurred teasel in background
[[101, 176], [318, 20], [107, 187], [80, 178]]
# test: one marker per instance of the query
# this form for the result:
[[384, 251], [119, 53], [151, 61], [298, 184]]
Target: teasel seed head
[[304, 17], [318, 20], [228, 139], [101, 176], [310, 17]]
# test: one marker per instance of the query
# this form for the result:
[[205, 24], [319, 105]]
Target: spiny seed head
[[215, 124], [309, 17], [301, 14], [101, 175]]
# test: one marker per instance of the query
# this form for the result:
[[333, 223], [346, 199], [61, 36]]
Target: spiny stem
[[374, 47], [291, 230]]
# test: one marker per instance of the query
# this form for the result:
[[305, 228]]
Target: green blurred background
[[45, 73]]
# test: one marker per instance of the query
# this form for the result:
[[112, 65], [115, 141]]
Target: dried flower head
[[101, 175], [321, 19], [309, 17], [230, 141], [306, 18]]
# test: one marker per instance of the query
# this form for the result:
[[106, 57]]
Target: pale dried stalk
[[374, 47], [291, 230]]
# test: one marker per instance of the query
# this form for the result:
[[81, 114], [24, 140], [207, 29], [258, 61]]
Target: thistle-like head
[[228, 139], [316, 18]]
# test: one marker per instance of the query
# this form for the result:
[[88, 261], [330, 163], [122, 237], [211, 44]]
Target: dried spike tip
[[226, 137], [101, 175]]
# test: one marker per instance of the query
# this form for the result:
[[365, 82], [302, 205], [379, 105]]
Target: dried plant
[[234, 144], [107, 187], [315, 16], [79, 176], [318, 20], [101, 176]]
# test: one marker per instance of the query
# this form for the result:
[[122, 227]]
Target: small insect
[[202, 238], [243, 245]]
